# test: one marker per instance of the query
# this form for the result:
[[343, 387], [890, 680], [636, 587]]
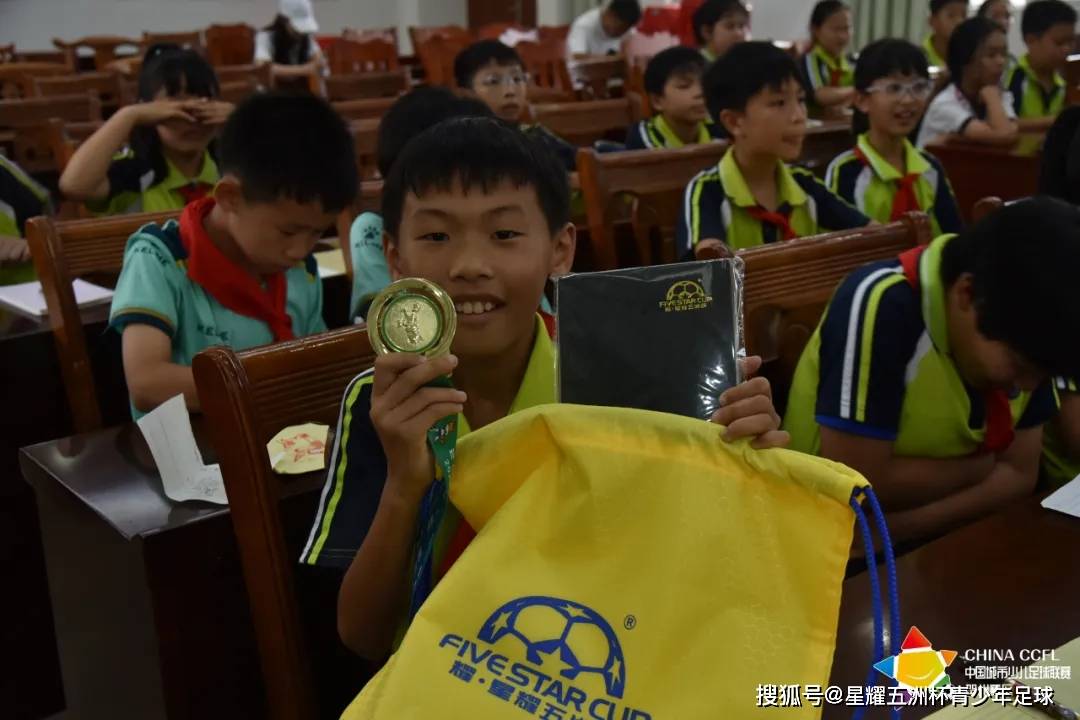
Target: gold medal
[[412, 316]]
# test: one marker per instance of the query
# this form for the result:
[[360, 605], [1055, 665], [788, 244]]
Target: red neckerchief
[[227, 283], [464, 533], [777, 219], [194, 191], [835, 76], [905, 199], [999, 421]]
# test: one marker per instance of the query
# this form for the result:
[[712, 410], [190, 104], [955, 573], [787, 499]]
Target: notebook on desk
[[29, 299]]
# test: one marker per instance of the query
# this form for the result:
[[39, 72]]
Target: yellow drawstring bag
[[629, 565]]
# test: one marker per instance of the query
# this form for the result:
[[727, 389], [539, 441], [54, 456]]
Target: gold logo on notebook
[[685, 295]]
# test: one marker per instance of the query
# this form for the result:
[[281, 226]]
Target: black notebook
[[663, 338]]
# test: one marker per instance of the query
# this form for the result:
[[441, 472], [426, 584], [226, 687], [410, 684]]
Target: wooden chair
[[823, 143], [495, 30], [246, 399], [583, 123], [65, 138], [787, 286], [192, 40], [558, 32], [389, 34], [238, 91], [230, 44], [598, 78], [109, 86], [261, 74], [7, 53], [371, 55], [545, 62], [49, 57], [353, 110], [105, 49], [64, 251], [367, 85], [365, 141], [437, 54], [369, 199], [420, 35], [17, 78], [25, 120], [655, 180]]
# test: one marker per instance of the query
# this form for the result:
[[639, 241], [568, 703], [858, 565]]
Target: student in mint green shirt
[[153, 156], [236, 269]]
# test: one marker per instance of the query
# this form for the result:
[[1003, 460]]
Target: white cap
[[300, 14]]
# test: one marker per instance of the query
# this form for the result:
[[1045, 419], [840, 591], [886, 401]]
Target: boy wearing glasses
[[494, 74], [884, 175]]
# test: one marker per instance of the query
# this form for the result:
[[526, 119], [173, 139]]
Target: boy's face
[[683, 99], [834, 35], [613, 25], [774, 121], [895, 103], [984, 363], [273, 236], [1051, 50], [945, 20], [728, 31], [990, 59], [502, 88], [492, 252]]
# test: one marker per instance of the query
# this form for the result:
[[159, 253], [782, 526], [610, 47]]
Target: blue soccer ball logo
[[583, 641]]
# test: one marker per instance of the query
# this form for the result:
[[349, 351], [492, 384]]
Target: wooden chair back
[[365, 135], [366, 85], [64, 250], [369, 199], [495, 30], [17, 78], [27, 122], [598, 78], [437, 53], [372, 109], [105, 49], [237, 91], [49, 57], [7, 53], [583, 123], [191, 40], [260, 74], [647, 185], [558, 32], [65, 138], [109, 86], [247, 398], [389, 34], [420, 35], [823, 143], [371, 55], [545, 61], [787, 286], [230, 44]]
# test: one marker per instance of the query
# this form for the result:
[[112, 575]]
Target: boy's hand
[[990, 94], [747, 410], [402, 411], [711, 249], [13, 250], [159, 111], [211, 112]]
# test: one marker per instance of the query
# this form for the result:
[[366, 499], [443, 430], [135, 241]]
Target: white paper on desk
[[167, 430], [28, 298], [1066, 499]]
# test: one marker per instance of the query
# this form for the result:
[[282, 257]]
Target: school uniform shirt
[[135, 187], [21, 198], [717, 203], [587, 36], [656, 133], [357, 467], [879, 366], [1058, 467], [370, 273], [823, 70], [862, 177], [932, 57], [1029, 98], [154, 289], [950, 112]]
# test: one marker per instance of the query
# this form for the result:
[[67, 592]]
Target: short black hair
[[480, 153], [290, 145], [937, 6], [481, 54], [1059, 173], [883, 58], [1023, 261], [629, 11], [1041, 15], [824, 10], [965, 42], [666, 64], [712, 12], [743, 72], [415, 112], [984, 9]]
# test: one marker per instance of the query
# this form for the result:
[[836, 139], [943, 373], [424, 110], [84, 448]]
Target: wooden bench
[[583, 123]]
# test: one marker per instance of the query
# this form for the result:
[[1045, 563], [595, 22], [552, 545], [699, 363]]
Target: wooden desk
[[978, 171], [1009, 581], [824, 142]]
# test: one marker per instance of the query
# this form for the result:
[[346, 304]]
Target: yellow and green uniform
[[717, 203], [932, 57], [823, 70], [135, 186], [879, 366], [1058, 467], [862, 177], [1030, 98], [657, 133], [21, 198], [708, 54]]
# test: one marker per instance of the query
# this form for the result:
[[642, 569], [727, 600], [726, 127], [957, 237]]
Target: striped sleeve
[[701, 215], [1042, 405], [946, 209], [354, 482], [813, 71], [842, 175], [833, 213], [637, 137], [869, 334]]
